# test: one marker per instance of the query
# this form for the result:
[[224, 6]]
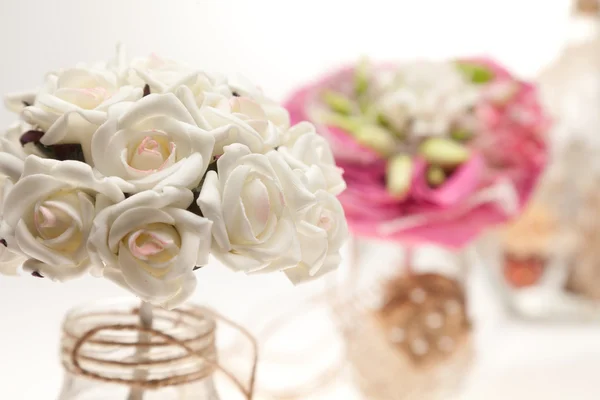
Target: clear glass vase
[[545, 263], [108, 354], [408, 333]]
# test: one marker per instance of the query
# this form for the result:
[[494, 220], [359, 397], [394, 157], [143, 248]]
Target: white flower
[[11, 169], [10, 261], [247, 200], [303, 148], [235, 120], [74, 102], [277, 114], [319, 219], [322, 230], [50, 210], [152, 143], [16, 102], [149, 244], [157, 72], [10, 141], [10, 258], [206, 90], [426, 98]]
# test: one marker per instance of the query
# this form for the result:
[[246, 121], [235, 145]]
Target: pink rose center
[[153, 153], [56, 221], [325, 220], [156, 244], [44, 218]]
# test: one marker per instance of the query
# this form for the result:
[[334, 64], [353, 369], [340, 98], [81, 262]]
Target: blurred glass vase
[[547, 262], [408, 333]]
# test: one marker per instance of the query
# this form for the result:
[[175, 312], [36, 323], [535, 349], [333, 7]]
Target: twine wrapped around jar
[[101, 345], [417, 344]]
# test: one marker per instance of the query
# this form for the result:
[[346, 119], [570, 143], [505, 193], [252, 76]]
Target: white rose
[[150, 244], [318, 216], [253, 226], [10, 141], [277, 114], [152, 143], [10, 261], [16, 102], [11, 169], [205, 89], [157, 72], [235, 120], [304, 148], [322, 230], [10, 257], [74, 102], [50, 210]]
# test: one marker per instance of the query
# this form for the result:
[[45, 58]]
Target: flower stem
[[354, 264], [409, 255], [146, 317]]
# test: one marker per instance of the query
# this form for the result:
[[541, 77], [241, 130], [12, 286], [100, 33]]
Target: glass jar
[[407, 332], [345, 329], [108, 354], [546, 263]]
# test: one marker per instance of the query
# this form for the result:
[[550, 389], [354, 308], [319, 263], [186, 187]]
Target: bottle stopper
[[590, 7]]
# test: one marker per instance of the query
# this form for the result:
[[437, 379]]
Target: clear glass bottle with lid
[[545, 262]]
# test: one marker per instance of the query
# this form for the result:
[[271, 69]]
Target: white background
[[280, 44]]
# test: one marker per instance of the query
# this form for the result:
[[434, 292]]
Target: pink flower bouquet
[[431, 151]]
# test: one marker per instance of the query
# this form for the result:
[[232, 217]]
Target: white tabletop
[[515, 360]]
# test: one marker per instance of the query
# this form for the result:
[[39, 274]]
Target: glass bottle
[[544, 263], [355, 320], [104, 353], [408, 333]]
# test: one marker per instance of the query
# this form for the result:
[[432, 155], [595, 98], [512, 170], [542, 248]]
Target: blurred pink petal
[[458, 187]]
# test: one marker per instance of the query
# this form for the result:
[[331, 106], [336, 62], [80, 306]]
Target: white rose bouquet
[[138, 171]]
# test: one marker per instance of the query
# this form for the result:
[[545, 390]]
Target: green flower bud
[[461, 135], [399, 175], [444, 152], [361, 77], [475, 73], [376, 138], [338, 102], [435, 176], [346, 123]]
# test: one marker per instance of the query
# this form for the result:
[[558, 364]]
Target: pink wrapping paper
[[509, 149]]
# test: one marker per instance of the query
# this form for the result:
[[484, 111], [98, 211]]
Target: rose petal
[[209, 202]]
